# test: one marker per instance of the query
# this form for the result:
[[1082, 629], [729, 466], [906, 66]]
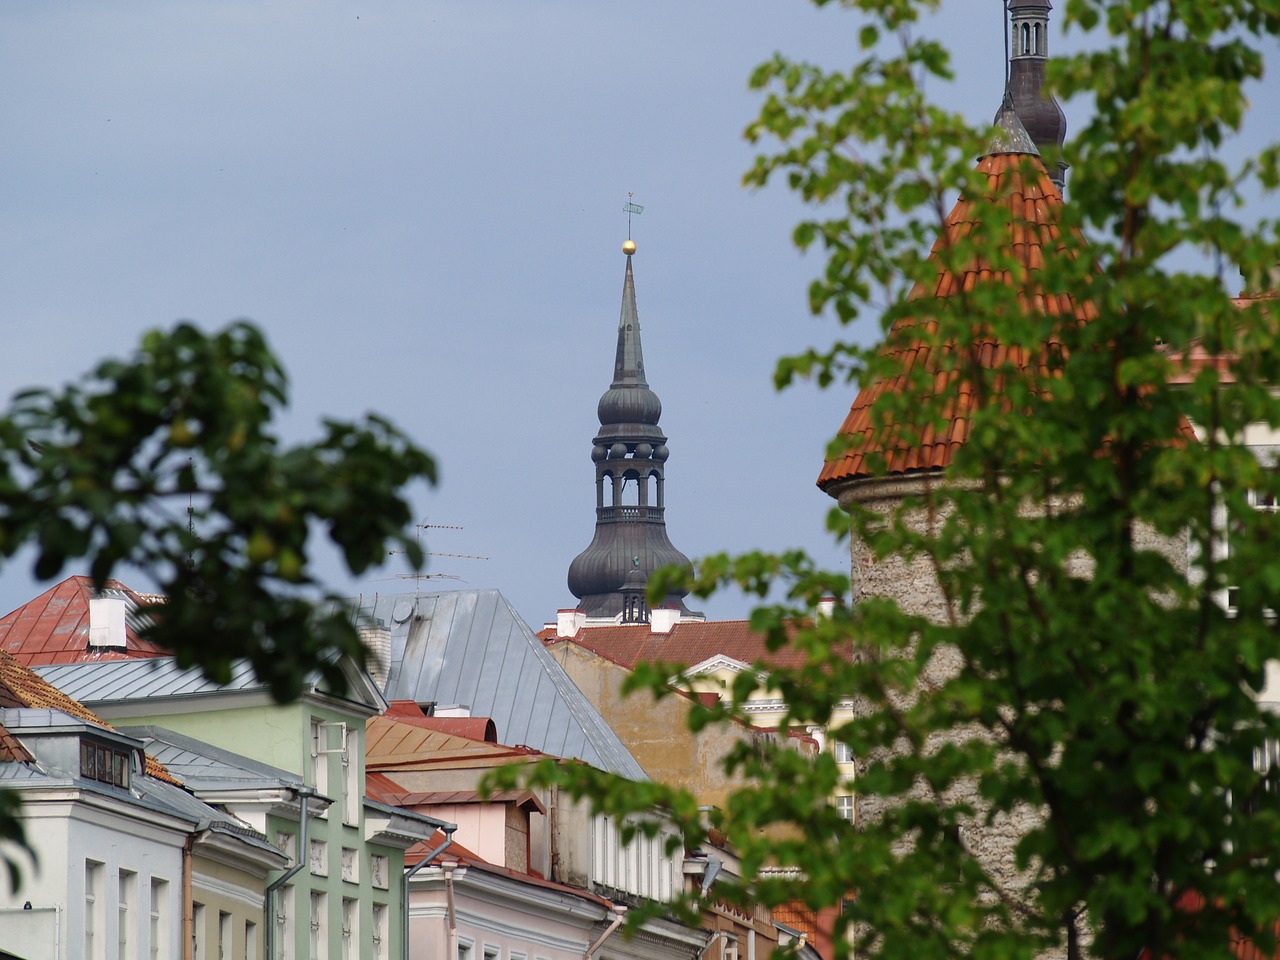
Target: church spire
[[630, 454], [1042, 116]]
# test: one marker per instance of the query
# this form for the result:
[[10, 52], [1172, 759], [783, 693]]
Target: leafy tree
[[169, 462], [1078, 678]]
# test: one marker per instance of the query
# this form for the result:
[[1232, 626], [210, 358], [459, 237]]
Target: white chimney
[[569, 622], [452, 710], [377, 644], [106, 623], [826, 607], [662, 619]]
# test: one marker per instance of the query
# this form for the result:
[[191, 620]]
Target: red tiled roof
[[20, 686], [11, 749], [1021, 184], [689, 642], [54, 627]]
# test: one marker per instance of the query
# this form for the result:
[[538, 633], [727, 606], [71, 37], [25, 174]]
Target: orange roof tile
[[20, 686], [54, 627], [1020, 183]]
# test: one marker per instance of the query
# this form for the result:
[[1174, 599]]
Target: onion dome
[[630, 453]]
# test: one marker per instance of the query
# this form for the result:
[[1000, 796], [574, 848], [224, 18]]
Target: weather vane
[[629, 208]]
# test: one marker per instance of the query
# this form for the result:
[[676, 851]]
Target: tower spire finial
[[630, 455], [628, 246]]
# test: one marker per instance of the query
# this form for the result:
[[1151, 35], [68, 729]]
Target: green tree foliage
[[1094, 686], [169, 462]]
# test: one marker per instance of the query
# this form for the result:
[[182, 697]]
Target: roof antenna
[[629, 208]]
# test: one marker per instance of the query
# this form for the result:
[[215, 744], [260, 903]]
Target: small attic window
[[105, 763]]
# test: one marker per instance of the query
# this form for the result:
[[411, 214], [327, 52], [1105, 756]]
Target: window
[[93, 910], [319, 758], [350, 929], [286, 843], [379, 932], [350, 792], [127, 883], [250, 940], [159, 918], [491, 952], [198, 942], [319, 948], [378, 872], [284, 922], [318, 858], [465, 949], [844, 807], [105, 763], [350, 865], [224, 936], [844, 754]]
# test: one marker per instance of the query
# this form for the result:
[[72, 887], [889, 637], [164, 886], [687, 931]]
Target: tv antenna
[[419, 576]]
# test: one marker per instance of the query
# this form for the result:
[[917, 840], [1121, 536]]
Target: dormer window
[[104, 762]]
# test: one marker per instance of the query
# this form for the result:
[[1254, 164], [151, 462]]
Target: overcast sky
[[420, 202]]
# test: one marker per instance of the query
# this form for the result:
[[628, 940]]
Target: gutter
[[300, 854], [619, 913], [448, 829]]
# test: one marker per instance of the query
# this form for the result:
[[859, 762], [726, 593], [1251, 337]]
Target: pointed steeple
[[1041, 116], [630, 455]]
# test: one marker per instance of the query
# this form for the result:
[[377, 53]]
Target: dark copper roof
[[54, 627], [1018, 182]]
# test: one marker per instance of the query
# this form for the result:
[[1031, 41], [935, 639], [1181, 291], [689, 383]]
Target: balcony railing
[[647, 514]]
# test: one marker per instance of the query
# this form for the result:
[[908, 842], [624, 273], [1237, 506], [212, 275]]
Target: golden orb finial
[[628, 247]]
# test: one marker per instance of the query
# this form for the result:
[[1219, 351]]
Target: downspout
[[448, 829], [303, 794], [448, 867], [188, 908], [619, 913]]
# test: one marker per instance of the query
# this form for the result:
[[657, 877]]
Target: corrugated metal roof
[[470, 647]]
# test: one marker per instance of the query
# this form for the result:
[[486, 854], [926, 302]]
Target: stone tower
[[1041, 116], [630, 453]]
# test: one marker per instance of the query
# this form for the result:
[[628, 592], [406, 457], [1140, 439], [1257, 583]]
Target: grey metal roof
[[141, 679], [1011, 136], [123, 681], [202, 766], [470, 647]]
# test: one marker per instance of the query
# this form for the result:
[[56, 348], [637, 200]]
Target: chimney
[[662, 619], [826, 607], [376, 638], [452, 710], [569, 622], [106, 623]]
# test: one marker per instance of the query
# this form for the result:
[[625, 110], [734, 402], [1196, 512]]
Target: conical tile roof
[[1017, 180]]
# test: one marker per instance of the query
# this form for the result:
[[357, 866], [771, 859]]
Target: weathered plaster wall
[[657, 732]]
